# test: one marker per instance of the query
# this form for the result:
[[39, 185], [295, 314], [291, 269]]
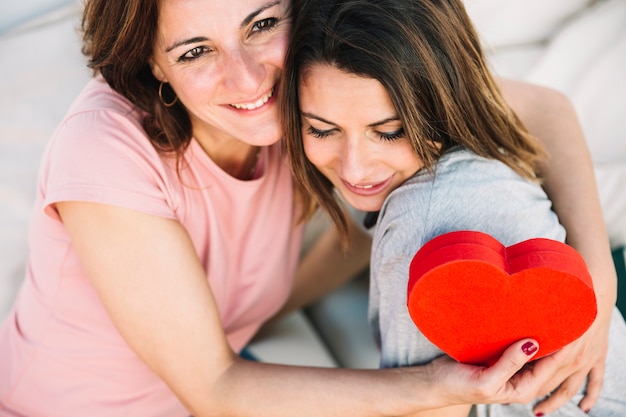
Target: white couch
[[577, 46]]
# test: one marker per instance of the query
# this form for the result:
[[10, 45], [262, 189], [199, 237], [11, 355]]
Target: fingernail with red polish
[[529, 348], [539, 414]]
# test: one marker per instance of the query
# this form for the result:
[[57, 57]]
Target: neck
[[241, 164], [256, 152], [236, 158]]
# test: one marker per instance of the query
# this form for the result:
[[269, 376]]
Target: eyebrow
[[246, 21], [375, 124], [254, 14], [313, 116], [186, 42]]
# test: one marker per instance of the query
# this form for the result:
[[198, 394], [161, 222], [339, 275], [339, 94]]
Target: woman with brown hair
[[389, 104]]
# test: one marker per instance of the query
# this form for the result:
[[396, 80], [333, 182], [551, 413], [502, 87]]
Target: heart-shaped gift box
[[472, 297]]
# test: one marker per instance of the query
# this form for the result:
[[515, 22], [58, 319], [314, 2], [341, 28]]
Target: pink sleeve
[[104, 156]]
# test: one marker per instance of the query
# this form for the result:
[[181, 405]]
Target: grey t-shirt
[[465, 192]]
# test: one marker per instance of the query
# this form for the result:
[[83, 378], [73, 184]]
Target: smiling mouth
[[364, 187], [251, 106], [367, 189]]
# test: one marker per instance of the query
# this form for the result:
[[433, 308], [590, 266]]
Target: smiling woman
[[390, 106], [242, 54], [359, 152], [146, 224]]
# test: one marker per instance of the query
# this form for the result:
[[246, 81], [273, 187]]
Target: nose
[[355, 160], [242, 70]]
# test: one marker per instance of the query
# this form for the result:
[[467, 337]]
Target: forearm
[[454, 411], [258, 389], [261, 389], [569, 179]]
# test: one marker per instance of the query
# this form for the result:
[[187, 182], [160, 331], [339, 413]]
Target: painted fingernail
[[586, 411], [529, 348], [539, 414]]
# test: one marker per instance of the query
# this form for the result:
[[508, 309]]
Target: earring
[[171, 103]]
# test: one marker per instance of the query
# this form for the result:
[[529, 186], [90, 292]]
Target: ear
[[157, 72]]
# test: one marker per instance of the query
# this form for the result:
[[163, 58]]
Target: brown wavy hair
[[118, 39], [428, 57]]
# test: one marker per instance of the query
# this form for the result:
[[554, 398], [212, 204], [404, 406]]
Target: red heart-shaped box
[[472, 297]]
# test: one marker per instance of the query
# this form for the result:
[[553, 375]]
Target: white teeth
[[364, 187], [256, 104]]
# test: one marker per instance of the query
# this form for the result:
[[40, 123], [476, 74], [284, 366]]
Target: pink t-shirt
[[60, 354]]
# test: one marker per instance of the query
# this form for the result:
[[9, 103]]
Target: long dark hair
[[428, 57], [118, 37]]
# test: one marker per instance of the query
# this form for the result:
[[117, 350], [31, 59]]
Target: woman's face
[[352, 134], [223, 58]]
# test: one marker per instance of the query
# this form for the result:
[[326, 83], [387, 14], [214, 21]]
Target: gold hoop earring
[[171, 103]]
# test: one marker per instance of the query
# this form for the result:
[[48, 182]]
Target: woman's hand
[[506, 381], [572, 365], [584, 359]]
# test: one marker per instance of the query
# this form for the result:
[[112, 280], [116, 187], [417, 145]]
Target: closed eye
[[391, 136], [317, 133]]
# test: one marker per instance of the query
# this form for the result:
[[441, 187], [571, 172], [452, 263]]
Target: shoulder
[[100, 123], [462, 163], [99, 108], [462, 174], [468, 192], [98, 95], [101, 146], [458, 172]]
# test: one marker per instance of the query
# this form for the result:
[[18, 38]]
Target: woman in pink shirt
[[166, 232]]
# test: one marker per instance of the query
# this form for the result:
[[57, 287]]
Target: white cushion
[[341, 320], [586, 60], [292, 341], [515, 22], [17, 12]]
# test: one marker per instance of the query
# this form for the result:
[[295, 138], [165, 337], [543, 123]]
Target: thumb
[[514, 358]]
